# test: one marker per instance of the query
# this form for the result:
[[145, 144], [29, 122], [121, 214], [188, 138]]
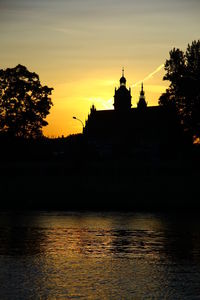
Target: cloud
[[101, 103]]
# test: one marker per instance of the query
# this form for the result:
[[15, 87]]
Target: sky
[[79, 48]]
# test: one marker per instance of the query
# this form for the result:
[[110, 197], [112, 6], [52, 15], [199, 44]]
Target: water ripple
[[116, 256]]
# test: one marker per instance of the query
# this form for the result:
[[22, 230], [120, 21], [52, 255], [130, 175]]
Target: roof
[[153, 120]]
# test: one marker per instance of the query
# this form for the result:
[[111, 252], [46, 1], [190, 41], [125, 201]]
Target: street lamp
[[75, 118]]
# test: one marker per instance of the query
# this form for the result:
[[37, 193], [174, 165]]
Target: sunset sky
[[79, 47]]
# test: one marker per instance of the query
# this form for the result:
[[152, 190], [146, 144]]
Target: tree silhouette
[[183, 72], [24, 102]]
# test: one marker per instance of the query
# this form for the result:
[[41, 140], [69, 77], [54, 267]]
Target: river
[[99, 255]]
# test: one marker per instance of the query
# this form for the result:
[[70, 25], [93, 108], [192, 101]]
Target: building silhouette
[[132, 129]]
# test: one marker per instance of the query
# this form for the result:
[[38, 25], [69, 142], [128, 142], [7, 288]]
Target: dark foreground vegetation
[[70, 174]]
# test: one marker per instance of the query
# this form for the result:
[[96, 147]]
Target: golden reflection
[[93, 255], [91, 237], [74, 241], [100, 255]]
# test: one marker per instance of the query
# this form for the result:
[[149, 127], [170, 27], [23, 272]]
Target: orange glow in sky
[[79, 47]]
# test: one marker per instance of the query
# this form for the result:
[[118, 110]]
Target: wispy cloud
[[101, 103], [158, 69]]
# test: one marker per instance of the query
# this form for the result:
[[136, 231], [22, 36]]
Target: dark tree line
[[183, 72], [24, 103]]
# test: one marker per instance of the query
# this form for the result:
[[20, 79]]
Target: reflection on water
[[99, 256]]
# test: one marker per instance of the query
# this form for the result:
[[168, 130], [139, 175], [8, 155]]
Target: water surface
[[89, 255]]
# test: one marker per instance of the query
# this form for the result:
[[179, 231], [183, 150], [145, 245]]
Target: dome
[[122, 80]]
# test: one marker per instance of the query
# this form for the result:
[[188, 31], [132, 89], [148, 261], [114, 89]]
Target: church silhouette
[[140, 129]]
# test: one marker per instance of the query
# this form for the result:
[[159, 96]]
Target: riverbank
[[124, 183]]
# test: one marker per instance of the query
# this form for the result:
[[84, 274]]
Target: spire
[[142, 102], [123, 72], [142, 90]]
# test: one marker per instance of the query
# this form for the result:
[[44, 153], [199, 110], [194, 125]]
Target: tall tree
[[24, 102], [183, 72]]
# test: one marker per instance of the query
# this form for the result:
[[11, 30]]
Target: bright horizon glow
[[88, 96], [79, 47]]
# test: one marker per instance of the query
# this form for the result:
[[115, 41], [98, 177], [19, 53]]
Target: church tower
[[122, 97], [142, 104]]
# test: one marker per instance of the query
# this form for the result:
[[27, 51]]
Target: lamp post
[[75, 118]]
